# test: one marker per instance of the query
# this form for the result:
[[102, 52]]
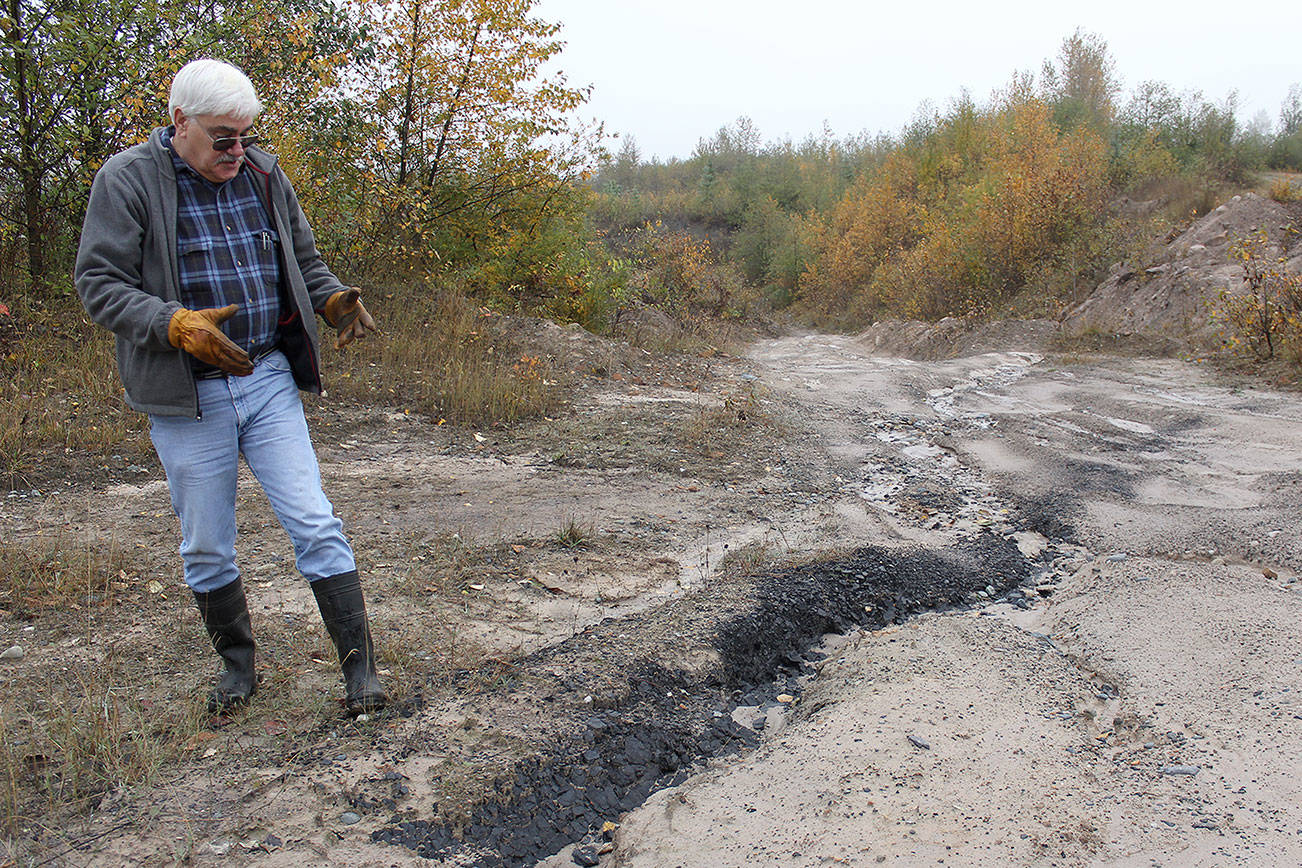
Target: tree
[[466, 140], [81, 79], [1082, 87]]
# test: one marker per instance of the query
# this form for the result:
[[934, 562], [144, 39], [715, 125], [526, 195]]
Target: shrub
[[1283, 190], [1268, 316]]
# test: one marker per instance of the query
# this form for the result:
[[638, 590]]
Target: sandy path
[[1146, 712]]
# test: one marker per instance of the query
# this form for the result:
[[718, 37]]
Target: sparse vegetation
[[67, 741], [447, 357], [1266, 320], [713, 431], [574, 534], [58, 572], [59, 391]]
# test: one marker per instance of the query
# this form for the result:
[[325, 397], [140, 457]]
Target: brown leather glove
[[197, 332], [344, 311]]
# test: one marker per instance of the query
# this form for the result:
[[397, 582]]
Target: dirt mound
[[1173, 294], [952, 337]]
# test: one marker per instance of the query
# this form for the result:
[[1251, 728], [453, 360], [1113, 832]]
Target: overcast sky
[[671, 72]]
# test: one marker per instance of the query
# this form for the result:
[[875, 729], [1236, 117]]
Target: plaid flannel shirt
[[228, 252]]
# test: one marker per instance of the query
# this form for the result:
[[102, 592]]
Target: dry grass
[[713, 430], [442, 355], [58, 572], [573, 534], [91, 716], [99, 726], [59, 391]]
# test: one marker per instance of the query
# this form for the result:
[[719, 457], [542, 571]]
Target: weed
[[59, 573], [1282, 190], [713, 430], [574, 535]]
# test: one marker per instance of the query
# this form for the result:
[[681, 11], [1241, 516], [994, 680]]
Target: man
[[196, 255]]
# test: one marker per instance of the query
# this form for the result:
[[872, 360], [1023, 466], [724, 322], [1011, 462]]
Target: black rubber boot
[[344, 612], [226, 616]]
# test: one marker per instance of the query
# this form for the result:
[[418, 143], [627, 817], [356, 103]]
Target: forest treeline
[[424, 138], [432, 146], [1008, 206]]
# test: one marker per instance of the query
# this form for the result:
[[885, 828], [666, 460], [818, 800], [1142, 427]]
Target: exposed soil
[[678, 625], [1170, 296]]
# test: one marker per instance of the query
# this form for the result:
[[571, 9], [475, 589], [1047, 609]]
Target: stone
[[919, 741], [586, 856], [14, 652], [349, 818], [1180, 770]]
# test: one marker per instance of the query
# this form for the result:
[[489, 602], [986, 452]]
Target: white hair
[[213, 87]]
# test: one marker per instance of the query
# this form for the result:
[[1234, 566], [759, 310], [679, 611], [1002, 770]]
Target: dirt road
[[1145, 709], [599, 628]]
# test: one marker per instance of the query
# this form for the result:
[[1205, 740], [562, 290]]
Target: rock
[[14, 652], [349, 818], [919, 741], [1269, 573], [1118, 558], [273, 842], [1180, 770], [749, 716], [774, 720], [586, 856]]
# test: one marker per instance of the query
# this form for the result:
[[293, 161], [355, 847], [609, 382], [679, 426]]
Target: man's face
[[194, 139]]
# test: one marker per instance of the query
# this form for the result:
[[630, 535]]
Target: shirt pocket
[[266, 244], [195, 248]]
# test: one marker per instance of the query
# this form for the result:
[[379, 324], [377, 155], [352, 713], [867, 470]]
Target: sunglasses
[[225, 143]]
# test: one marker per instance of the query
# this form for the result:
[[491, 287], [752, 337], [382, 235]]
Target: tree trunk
[[452, 107], [29, 170], [409, 100]]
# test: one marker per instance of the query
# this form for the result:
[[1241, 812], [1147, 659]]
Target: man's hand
[[197, 332], [344, 311]]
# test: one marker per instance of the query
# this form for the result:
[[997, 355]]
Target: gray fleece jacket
[[127, 274]]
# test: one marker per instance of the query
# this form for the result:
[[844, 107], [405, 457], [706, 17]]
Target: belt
[[219, 374]]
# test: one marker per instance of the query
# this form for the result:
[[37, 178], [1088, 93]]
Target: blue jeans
[[261, 416]]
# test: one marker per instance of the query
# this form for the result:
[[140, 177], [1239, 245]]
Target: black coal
[[666, 720]]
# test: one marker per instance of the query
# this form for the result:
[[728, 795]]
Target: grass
[[58, 572], [97, 727], [574, 535], [59, 390], [439, 354], [442, 355], [713, 430]]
